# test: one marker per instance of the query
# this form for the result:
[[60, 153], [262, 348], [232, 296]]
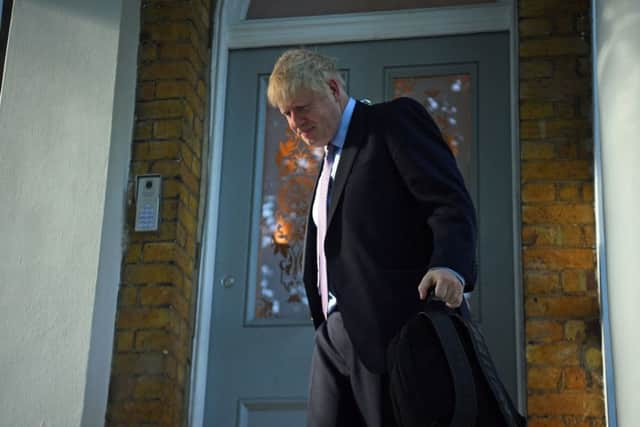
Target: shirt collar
[[341, 134]]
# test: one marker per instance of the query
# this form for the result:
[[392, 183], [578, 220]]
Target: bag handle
[[465, 405]]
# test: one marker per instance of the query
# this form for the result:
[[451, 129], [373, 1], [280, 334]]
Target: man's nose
[[295, 121]]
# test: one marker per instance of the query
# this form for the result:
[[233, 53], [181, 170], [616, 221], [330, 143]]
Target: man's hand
[[447, 286]]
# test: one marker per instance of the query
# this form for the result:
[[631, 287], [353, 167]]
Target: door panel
[[261, 332], [262, 413]]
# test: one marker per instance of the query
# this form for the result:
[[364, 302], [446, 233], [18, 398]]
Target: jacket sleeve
[[431, 174]]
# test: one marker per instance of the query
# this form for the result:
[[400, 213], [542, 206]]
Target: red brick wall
[[558, 233], [154, 325]]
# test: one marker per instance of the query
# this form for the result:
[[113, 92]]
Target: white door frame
[[233, 31]]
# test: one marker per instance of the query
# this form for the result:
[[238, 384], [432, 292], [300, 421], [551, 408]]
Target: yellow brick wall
[[558, 234], [154, 324]]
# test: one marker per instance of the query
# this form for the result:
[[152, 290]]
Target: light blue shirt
[[341, 135], [338, 143]]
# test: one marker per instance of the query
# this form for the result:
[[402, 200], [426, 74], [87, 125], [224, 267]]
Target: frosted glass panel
[[449, 100], [289, 170]]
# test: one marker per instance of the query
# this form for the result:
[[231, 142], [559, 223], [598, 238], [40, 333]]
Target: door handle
[[228, 281]]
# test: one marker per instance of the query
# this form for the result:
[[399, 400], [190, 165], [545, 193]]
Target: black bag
[[441, 374]]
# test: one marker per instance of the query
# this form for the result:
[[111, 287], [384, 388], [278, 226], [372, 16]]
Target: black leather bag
[[441, 374]]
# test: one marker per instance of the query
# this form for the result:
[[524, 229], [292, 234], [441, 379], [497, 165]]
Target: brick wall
[[558, 234], [154, 325]]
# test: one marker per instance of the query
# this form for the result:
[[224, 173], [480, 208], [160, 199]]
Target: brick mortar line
[[199, 69], [201, 29], [198, 76], [181, 97]]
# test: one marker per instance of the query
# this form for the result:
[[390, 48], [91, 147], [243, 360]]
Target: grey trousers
[[342, 391]]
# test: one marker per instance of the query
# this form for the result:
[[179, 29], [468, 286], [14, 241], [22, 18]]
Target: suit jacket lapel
[[353, 141]]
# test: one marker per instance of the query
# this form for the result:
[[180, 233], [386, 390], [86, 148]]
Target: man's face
[[314, 116]]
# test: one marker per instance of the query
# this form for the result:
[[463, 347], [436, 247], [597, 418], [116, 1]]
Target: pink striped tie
[[319, 212]]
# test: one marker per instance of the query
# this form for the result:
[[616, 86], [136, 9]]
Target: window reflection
[[290, 170]]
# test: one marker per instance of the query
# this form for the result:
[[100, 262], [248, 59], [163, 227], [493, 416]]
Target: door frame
[[233, 31]]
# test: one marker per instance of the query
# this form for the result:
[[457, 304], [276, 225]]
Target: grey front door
[[261, 334]]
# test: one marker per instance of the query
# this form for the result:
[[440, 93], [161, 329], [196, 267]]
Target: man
[[391, 218]]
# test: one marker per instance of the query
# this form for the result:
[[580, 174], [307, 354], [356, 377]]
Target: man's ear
[[334, 87]]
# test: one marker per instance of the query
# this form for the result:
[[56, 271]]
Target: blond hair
[[300, 69]]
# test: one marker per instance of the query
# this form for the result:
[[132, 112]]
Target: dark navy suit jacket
[[398, 207]]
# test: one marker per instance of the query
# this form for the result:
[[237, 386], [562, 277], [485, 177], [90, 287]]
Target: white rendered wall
[[66, 112], [618, 84]]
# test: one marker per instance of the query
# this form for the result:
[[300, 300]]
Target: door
[[261, 333]]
